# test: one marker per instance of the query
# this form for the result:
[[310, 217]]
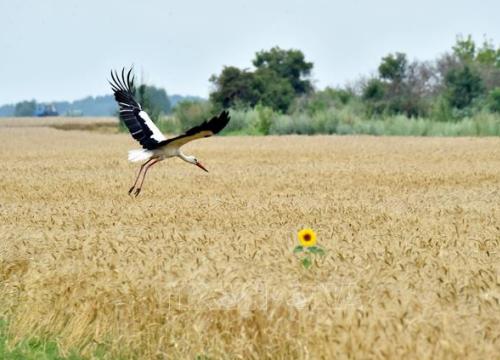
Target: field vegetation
[[347, 121], [201, 266]]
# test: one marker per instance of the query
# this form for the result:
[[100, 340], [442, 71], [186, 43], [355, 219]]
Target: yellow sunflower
[[307, 237]]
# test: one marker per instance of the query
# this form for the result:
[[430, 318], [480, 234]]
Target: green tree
[[288, 64], [279, 77], [467, 51], [393, 68], [465, 48], [159, 98], [154, 101], [402, 87], [463, 85], [373, 94], [25, 108], [488, 55], [274, 91], [234, 87], [373, 90]]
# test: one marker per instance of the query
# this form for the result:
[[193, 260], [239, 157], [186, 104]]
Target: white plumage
[[157, 135], [139, 155]]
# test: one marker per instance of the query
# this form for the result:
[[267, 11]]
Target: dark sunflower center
[[307, 237]]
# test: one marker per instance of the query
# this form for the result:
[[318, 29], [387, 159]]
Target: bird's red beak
[[200, 165]]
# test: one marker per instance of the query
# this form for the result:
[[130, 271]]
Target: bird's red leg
[[146, 168], [138, 175]]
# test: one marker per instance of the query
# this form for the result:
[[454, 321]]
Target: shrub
[[191, 113], [264, 121], [494, 100], [441, 110]]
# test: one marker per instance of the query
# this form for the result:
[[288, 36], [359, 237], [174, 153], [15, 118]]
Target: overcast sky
[[64, 49]]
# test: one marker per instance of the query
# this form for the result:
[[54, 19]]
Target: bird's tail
[[139, 155]]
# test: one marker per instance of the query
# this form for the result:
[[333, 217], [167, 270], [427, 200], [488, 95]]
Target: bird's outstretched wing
[[141, 127], [206, 129]]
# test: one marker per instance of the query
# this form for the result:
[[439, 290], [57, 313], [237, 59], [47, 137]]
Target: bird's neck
[[185, 157]]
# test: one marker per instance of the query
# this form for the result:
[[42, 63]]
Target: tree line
[[463, 81], [155, 98], [277, 95]]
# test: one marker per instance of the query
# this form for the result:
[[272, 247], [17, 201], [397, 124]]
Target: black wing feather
[[215, 124], [130, 111], [205, 129]]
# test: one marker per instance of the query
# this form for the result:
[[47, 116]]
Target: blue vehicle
[[46, 110]]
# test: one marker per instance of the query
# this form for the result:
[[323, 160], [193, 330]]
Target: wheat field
[[201, 266]]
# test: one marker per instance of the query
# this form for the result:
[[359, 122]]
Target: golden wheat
[[202, 264]]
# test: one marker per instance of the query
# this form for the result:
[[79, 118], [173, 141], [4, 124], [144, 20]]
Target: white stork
[[155, 146]]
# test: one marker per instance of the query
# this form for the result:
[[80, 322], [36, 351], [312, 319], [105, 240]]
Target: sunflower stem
[[307, 262]]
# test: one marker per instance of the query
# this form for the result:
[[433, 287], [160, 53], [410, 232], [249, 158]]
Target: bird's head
[[195, 161]]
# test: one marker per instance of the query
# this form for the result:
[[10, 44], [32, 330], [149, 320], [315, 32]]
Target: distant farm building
[[73, 112]]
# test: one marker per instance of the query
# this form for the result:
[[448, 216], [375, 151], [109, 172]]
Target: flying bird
[[155, 146]]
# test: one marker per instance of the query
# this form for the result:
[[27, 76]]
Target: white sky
[[64, 49]]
